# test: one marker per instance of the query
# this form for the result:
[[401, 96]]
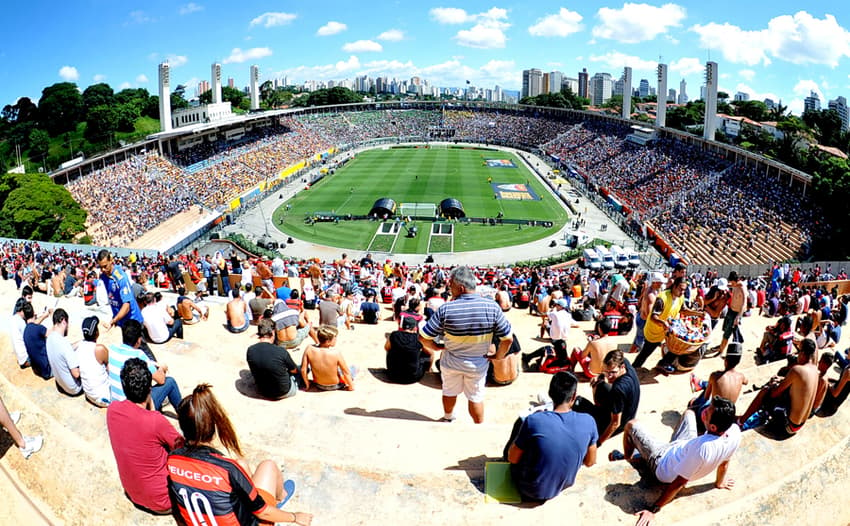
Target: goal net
[[417, 209]]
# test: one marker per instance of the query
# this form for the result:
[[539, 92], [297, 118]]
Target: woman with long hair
[[208, 488]]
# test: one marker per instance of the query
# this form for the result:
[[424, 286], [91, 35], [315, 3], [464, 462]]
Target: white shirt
[[94, 375], [695, 458], [62, 359], [559, 323], [17, 326], [156, 322]]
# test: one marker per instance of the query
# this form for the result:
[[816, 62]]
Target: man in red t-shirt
[[141, 440]]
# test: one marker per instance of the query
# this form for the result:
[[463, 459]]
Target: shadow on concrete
[[632, 498], [432, 380], [6, 443], [380, 373], [474, 468], [671, 418], [647, 376], [245, 385], [392, 412]]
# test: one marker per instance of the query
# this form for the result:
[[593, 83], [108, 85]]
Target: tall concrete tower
[[255, 87], [216, 83], [711, 79], [164, 98], [627, 92], [661, 105]]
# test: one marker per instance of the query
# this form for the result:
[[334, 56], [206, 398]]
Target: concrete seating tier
[[377, 455]]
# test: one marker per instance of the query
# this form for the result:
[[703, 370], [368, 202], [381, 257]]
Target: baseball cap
[[408, 322], [561, 302], [90, 325], [656, 277], [723, 284]]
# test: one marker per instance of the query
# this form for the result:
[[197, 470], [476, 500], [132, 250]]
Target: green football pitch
[[422, 175]]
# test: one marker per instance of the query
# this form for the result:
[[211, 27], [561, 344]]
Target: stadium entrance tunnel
[[383, 208], [451, 208]]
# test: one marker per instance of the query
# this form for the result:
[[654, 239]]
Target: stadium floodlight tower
[[216, 83], [627, 92], [164, 98], [710, 100], [661, 97], [255, 87]]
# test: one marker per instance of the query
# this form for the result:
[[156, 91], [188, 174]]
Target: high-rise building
[[231, 83], [532, 83], [570, 83], [769, 103], [600, 88], [203, 87], [703, 90], [497, 94], [671, 95], [583, 83], [742, 96], [618, 87], [556, 81], [683, 92], [812, 102], [840, 106], [643, 88]]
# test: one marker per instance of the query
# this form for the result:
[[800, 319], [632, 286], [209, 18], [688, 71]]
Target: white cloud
[[271, 19], [142, 79], [124, 85], [488, 31], [392, 35], [99, 77], [362, 46], [686, 66], [637, 22], [140, 17], [554, 64], [331, 28], [450, 15], [69, 73], [500, 72], [238, 56], [616, 61], [799, 39], [189, 8], [561, 24], [747, 74], [175, 61], [802, 90], [323, 72]]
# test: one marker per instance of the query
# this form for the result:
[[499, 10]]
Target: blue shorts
[[640, 323]]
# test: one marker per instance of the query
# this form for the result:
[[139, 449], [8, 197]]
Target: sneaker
[[449, 419], [289, 488], [695, 385], [31, 445], [665, 368]]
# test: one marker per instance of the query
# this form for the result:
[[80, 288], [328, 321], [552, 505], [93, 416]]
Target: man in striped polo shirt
[[468, 324]]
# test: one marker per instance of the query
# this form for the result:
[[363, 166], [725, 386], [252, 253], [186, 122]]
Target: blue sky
[[780, 50]]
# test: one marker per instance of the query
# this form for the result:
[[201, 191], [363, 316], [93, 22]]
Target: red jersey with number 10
[[207, 488]]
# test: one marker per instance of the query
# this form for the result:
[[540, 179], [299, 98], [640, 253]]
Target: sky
[[781, 50]]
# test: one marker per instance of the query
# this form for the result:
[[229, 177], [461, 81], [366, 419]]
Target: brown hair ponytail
[[201, 417]]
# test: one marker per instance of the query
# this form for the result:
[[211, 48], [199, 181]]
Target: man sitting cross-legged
[[330, 372], [688, 456], [141, 439], [188, 310], [273, 369], [590, 359], [552, 445]]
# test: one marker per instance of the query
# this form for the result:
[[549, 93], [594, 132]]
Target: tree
[[98, 95], [39, 143], [329, 97], [752, 109], [102, 123], [60, 108], [37, 208], [831, 185]]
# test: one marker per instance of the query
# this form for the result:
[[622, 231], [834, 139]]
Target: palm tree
[[777, 113]]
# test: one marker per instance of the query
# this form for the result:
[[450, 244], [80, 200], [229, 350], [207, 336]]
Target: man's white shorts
[[470, 384]]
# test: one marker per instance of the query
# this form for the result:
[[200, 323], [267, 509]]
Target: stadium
[[356, 179]]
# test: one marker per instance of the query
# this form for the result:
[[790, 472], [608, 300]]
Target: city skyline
[[779, 52]]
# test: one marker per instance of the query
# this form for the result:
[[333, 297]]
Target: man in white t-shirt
[[160, 325], [687, 456], [93, 359], [560, 321], [62, 357], [16, 333]]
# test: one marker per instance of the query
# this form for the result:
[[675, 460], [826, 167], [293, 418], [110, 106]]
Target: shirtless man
[[727, 384], [189, 312], [595, 351], [503, 298], [795, 393], [291, 326], [716, 299], [737, 306], [236, 308], [647, 300], [330, 372]]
